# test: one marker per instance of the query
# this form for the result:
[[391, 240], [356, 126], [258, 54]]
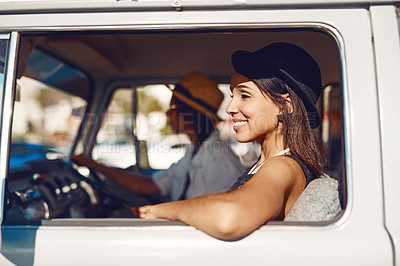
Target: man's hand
[[83, 160]]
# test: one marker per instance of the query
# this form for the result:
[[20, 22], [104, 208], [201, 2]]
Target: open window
[[135, 131], [104, 93]]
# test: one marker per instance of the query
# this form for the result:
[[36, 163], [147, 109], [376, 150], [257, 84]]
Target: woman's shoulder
[[282, 162], [281, 168]]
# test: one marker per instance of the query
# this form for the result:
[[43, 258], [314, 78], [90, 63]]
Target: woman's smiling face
[[253, 112]]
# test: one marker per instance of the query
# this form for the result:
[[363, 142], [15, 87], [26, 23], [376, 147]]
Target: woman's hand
[[167, 210], [145, 212]]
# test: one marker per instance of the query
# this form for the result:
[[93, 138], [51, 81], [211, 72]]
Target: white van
[[88, 76]]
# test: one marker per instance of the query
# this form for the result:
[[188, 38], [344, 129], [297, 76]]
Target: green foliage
[[148, 103]]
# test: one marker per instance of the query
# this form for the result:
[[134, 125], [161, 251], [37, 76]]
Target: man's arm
[[138, 183]]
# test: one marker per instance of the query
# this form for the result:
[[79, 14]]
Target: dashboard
[[48, 189]]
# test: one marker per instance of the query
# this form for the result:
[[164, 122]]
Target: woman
[[274, 94]]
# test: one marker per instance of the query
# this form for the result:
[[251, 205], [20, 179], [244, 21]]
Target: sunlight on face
[[253, 113]]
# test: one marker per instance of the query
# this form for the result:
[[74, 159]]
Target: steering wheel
[[96, 182]]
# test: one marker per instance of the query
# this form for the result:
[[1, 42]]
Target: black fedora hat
[[290, 63]]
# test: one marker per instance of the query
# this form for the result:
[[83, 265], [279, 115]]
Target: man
[[209, 164]]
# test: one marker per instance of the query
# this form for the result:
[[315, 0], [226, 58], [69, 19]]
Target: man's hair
[[201, 123]]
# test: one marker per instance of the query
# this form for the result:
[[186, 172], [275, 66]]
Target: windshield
[[46, 118]]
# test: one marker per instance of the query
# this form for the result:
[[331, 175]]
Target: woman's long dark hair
[[297, 132]]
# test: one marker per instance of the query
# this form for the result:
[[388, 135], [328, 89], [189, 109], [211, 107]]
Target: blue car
[[22, 153]]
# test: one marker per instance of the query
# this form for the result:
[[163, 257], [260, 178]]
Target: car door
[[356, 236]]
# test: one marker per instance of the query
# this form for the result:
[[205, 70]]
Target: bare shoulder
[[281, 169]]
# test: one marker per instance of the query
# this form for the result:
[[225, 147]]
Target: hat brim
[[202, 109], [249, 65]]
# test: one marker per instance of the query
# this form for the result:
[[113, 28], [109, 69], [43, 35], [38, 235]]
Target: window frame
[[324, 29], [112, 87], [7, 100]]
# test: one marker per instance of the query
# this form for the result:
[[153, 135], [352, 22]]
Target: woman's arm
[[138, 183], [233, 215]]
